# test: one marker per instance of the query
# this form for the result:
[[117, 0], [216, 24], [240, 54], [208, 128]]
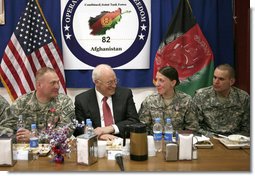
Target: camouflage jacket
[[153, 106], [3, 106], [58, 112], [229, 117]]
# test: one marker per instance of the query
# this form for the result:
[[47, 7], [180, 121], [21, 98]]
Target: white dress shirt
[[100, 105]]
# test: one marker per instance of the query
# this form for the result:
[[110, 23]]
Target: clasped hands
[[105, 133]]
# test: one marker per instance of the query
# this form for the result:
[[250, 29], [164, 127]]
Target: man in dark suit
[[109, 117]]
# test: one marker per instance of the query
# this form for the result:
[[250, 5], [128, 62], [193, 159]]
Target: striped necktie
[[108, 120]]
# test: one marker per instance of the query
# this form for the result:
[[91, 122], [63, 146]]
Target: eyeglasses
[[109, 83]]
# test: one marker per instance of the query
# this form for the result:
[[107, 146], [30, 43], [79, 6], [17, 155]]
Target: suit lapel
[[94, 109], [115, 103]]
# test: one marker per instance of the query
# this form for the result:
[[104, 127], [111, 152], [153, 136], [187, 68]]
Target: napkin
[[6, 151], [185, 147]]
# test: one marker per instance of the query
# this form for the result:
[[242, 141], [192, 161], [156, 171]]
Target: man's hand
[[23, 135], [107, 137], [104, 130]]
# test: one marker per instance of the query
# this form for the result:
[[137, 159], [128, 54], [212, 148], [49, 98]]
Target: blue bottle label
[[168, 137], [33, 142], [157, 136]]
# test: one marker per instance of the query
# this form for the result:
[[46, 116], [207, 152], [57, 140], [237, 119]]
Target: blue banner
[[215, 17]]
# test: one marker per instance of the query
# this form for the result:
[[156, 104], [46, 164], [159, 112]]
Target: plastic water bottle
[[157, 134], [20, 123], [90, 129], [86, 126], [83, 126], [169, 131], [33, 136]]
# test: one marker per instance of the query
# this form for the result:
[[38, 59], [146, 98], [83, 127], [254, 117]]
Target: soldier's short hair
[[171, 73], [228, 68], [42, 71]]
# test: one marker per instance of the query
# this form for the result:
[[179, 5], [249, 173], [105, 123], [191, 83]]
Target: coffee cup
[[101, 145], [126, 148], [151, 146]]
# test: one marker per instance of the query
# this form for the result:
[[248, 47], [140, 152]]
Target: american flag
[[32, 46]]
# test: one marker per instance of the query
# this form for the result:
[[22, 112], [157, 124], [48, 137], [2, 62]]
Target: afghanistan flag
[[185, 48]]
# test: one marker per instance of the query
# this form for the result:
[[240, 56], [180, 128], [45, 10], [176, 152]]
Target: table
[[218, 158]]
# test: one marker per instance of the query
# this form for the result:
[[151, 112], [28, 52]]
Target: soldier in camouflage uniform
[[45, 106], [222, 108], [3, 106], [167, 102]]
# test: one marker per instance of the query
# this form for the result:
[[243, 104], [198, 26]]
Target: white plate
[[232, 144], [205, 144]]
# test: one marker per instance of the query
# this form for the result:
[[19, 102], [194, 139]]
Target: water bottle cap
[[87, 120], [33, 125], [157, 119], [168, 120]]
